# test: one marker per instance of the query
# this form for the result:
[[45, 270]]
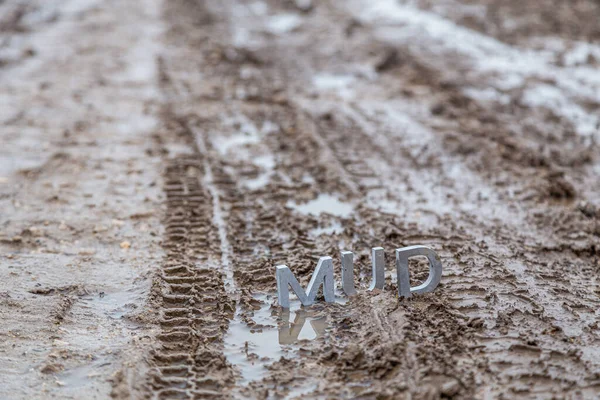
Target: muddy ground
[[160, 158]]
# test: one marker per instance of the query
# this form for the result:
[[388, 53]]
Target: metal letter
[[348, 273], [378, 262], [323, 274], [435, 270]]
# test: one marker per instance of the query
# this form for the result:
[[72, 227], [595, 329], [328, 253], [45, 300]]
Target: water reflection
[[253, 342], [290, 333]]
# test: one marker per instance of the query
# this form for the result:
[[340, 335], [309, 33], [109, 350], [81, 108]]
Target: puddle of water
[[387, 206], [260, 181], [283, 23], [341, 84], [246, 133], [308, 179], [244, 138], [324, 203], [28, 150], [75, 7], [299, 325], [553, 98], [114, 305], [267, 164], [488, 94], [580, 53], [81, 376], [331, 81], [103, 307], [269, 127], [301, 391], [11, 164], [219, 214], [252, 351], [247, 137]]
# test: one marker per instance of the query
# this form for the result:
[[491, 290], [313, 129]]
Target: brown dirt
[[229, 137]]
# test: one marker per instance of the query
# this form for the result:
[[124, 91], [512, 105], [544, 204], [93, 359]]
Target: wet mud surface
[[261, 133]]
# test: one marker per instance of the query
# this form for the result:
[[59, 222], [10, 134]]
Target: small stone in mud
[[99, 229], [451, 388], [560, 188], [32, 231], [389, 60], [438, 109], [475, 322], [143, 214], [29, 52], [52, 368], [86, 252], [353, 25], [125, 244]]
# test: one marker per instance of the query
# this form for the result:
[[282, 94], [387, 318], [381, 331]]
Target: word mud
[[323, 275]]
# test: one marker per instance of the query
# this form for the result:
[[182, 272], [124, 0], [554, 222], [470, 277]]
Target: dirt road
[[159, 159]]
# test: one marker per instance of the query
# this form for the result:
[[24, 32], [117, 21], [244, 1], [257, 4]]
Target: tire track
[[194, 289], [194, 307]]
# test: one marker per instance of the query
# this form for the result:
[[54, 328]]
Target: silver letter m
[[323, 274]]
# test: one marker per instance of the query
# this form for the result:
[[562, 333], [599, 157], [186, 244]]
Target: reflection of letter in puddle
[[289, 332]]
